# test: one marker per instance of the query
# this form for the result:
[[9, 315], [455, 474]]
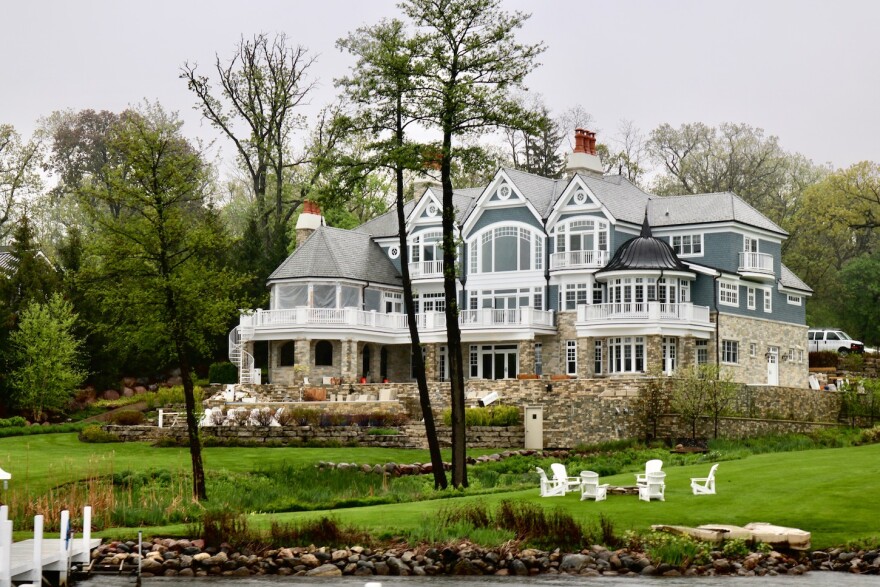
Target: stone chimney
[[308, 222], [584, 158]]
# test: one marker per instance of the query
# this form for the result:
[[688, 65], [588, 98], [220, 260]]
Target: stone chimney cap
[[310, 207]]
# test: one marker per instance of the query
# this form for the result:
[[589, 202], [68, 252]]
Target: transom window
[[582, 235], [688, 244], [795, 300], [506, 248]]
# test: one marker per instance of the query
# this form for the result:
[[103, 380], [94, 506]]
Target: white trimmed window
[[684, 289], [688, 245], [750, 298], [768, 300], [506, 248], [791, 355], [702, 352], [575, 294], [795, 300], [730, 351], [571, 357], [597, 357], [800, 355], [728, 294], [753, 349]]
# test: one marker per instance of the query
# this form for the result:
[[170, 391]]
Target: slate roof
[[540, 191], [338, 253], [623, 199], [645, 252], [788, 279], [702, 208]]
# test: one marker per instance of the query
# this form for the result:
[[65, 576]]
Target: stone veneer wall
[[765, 333], [411, 436]]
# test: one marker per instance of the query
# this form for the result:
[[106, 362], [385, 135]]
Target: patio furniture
[[652, 466], [550, 487], [654, 487], [705, 485], [561, 475], [590, 488]]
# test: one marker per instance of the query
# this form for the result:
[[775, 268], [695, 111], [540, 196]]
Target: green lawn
[[829, 492]]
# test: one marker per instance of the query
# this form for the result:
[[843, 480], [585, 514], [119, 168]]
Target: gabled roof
[[338, 253], [540, 191], [623, 199], [703, 208], [386, 224], [788, 279]]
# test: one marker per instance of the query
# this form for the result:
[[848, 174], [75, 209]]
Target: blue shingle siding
[[504, 216], [618, 238], [721, 250], [785, 312], [702, 291], [553, 298], [423, 227]]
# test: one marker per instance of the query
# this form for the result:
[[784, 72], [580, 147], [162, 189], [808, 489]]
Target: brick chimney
[[584, 159], [308, 222]]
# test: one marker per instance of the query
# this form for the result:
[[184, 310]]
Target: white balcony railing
[[646, 311], [394, 322], [758, 262], [424, 269], [578, 259]]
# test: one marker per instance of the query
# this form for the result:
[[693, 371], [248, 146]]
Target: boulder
[[325, 570], [110, 394]]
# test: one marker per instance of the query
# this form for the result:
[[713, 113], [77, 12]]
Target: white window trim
[[724, 352], [768, 300], [475, 244], [735, 292], [571, 345], [692, 235], [795, 300], [750, 298]]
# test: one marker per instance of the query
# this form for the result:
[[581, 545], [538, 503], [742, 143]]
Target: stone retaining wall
[[411, 436]]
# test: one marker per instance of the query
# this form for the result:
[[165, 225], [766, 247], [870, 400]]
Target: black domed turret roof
[[645, 252]]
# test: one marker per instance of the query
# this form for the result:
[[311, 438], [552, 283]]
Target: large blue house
[[587, 276]]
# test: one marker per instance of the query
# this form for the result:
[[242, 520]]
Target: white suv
[[833, 340]]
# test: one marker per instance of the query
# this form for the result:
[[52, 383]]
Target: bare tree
[[19, 162]]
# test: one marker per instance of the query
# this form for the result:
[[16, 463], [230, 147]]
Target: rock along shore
[[189, 558]]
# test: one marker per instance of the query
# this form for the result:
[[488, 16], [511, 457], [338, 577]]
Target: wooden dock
[[29, 560]]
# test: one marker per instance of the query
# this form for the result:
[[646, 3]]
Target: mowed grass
[[830, 492], [40, 462]]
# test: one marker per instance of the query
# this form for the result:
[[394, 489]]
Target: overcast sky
[[806, 71]]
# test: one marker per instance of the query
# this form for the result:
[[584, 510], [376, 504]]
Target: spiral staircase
[[239, 357]]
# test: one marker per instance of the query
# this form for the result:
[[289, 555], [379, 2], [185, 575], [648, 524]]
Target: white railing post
[[86, 555], [64, 547], [653, 310], [5, 550], [161, 417], [525, 315], [37, 571]]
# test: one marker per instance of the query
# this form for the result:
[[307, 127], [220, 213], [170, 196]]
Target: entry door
[[669, 352], [534, 427], [773, 365]]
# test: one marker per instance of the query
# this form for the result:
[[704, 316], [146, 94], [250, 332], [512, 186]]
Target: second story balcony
[[392, 327], [578, 260], [756, 265], [641, 318], [426, 269]]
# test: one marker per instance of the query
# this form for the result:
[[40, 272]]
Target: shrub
[[127, 418], [13, 422], [676, 551], [284, 417], [169, 396], [854, 362], [824, 359], [96, 434], [224, 372], [263, 416]]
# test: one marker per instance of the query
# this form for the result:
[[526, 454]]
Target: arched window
[[287, 354], [506, 248], [589, 234], [323, 353], [426, 246]]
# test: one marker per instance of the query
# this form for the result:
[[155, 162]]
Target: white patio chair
[[652, 466], [550, 487], [561, 475], [590, 488], [705, 485], [207, 418], [654, 487]]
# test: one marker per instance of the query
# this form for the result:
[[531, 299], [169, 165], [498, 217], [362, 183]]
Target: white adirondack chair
[[654, 487], [652, 466], [561, 475], [550, 487], [705, 485], [590, 487]]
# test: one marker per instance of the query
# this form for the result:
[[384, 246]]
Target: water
[[813, 579]]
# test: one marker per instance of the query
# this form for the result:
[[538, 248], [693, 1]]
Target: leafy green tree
[[860, 310], [381, 84], [154, 267], [46, 357], [19, 174], [471, 61]]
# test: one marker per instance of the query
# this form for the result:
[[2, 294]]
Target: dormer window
[[506, 248]]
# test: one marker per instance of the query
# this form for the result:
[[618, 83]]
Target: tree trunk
[[409, 304], [453, 332], [192, 425]]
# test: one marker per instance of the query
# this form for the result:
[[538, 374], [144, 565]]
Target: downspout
[[717, 322], [546, 266]]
